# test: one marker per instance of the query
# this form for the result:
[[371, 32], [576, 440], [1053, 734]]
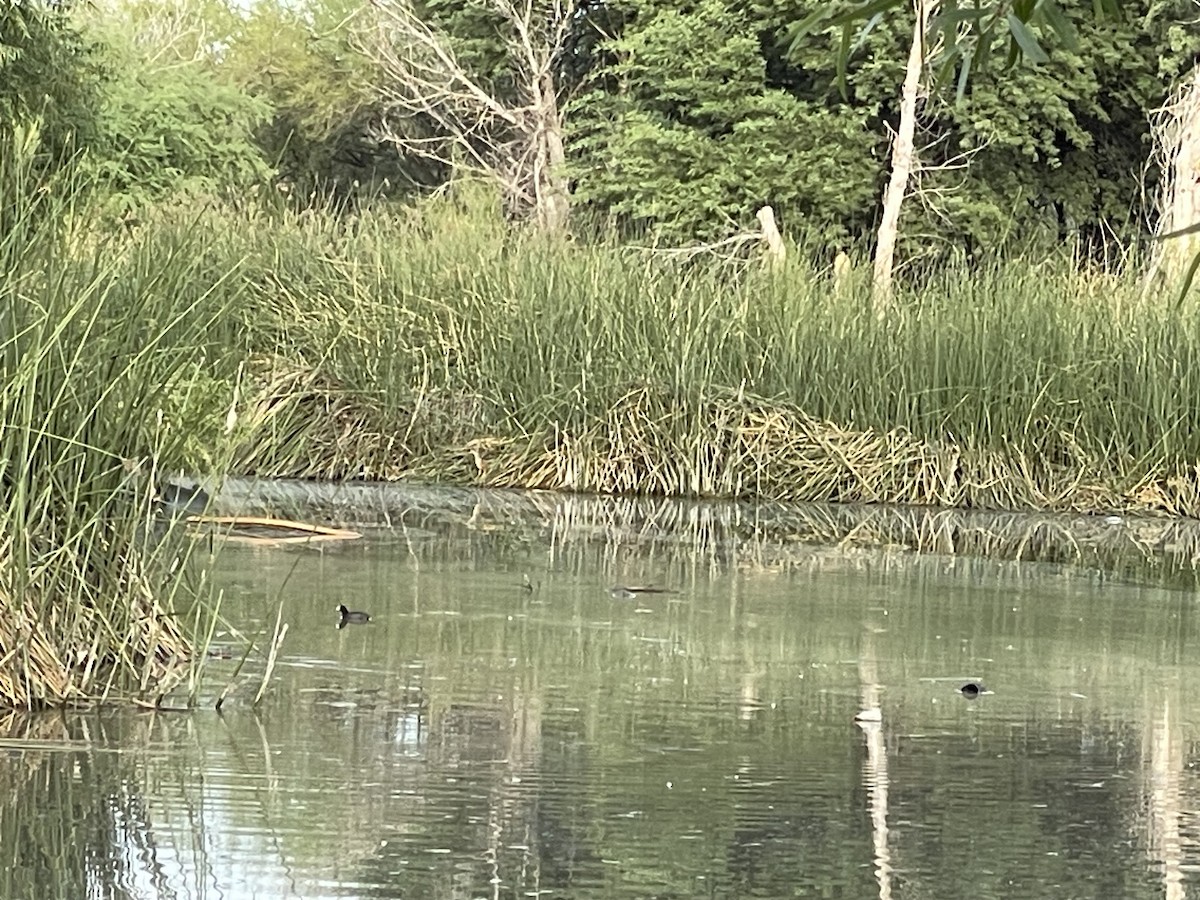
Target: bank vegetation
[[479, 246]]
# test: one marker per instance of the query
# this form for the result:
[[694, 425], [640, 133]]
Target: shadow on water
[[484, 735]]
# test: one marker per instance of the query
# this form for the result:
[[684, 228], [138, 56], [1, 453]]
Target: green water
[[482, 738]]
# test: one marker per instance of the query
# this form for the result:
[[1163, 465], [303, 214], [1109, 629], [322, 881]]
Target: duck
[[972, 689], [350, 616]]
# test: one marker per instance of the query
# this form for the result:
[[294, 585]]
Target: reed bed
[[435, 342], [99, 340], [432, 342]]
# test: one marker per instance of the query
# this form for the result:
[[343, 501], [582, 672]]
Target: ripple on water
[[482, 742]]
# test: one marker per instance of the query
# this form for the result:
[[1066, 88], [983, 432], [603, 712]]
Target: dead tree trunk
[[776, 249], [1177, 139], [903, 160], [550, 186]]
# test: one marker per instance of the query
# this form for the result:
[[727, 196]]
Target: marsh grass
[[434, 342], [429, 341], [96, 336]]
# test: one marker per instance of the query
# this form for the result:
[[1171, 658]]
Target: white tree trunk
[[903, 156], [776, 250], [1177, 136], [552, 196]]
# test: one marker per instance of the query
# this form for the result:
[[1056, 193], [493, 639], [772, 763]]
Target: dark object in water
[[971, 690], [177, 500], [351, 617], [630, 592]]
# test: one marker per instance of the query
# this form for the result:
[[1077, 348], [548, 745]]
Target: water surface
[[505, 727]]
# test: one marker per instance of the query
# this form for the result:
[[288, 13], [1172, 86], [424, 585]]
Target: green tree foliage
[[167, 121], [474, 31], [685, 131], [1061, 147], [705, 111], [966, 33], [48, 73], [300, 59], [683, 119]]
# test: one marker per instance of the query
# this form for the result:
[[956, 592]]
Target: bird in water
[[972, 689], [350, 616], [623, 592]]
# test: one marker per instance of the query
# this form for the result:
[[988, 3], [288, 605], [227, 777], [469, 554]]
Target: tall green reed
[[403, 336], [98, 334]]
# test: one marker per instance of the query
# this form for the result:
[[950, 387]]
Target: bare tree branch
[[439, 109]]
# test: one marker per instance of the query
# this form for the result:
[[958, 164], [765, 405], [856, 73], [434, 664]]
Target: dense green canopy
[[680, 120]]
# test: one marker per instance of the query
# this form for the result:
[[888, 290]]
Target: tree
[[301, 58], [48, 74], [902, 154], [967, 33], [167, 121], [1176, 255], [686, 128], [503, 122], [689, 119], [966, 36]]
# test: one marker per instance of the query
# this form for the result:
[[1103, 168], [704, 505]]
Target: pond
[[505, 726]]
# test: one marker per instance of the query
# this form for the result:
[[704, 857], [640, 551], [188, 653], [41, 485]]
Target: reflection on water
[[488, 735]]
